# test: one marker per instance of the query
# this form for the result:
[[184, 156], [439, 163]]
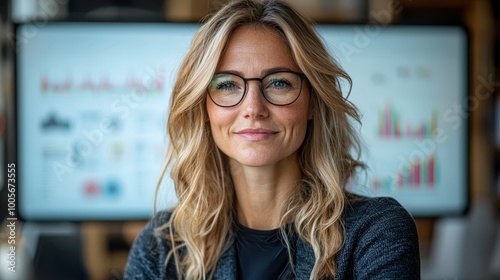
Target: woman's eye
[[226, 86], [279, 83]]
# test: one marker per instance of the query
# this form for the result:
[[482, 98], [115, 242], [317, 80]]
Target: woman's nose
[[254, 104]]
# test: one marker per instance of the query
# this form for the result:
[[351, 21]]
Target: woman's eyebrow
[[274, 69]]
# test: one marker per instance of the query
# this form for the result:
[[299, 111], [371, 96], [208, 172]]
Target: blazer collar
[[304, 260], [226, 268]]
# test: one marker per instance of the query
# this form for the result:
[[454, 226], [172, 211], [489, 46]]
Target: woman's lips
[[256, 134]]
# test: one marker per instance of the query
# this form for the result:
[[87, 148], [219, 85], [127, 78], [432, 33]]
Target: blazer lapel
[[226, 266], [304, 260]]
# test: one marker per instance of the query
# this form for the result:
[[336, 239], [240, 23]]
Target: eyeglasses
[[278, 88]]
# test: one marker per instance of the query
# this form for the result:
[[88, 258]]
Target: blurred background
[[458, 245]]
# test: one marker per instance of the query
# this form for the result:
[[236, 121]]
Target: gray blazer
[[380, 243]]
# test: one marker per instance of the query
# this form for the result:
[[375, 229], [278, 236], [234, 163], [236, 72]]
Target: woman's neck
[[262, 192]]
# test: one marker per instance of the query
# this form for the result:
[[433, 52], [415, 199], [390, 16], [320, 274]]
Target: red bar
[[45, 84], [410, 176], [375, 184], [417, 174], [431, 171], [388, 121], [400, 180], [397, 128]]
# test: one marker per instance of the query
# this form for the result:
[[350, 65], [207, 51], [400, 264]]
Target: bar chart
[[391, 125], [103, 84], [421, 173]]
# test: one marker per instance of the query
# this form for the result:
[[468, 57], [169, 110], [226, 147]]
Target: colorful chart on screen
[[410, 84], [92, 101]]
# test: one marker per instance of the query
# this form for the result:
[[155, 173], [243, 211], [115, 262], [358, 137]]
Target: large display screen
[[92, 101], [410, 84]]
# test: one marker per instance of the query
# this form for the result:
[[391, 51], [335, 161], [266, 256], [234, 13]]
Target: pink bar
[[388, 121], [375, 184], [397, 128], [417, 174], [410, 176]]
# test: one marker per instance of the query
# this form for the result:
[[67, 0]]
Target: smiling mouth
[[256, 134]]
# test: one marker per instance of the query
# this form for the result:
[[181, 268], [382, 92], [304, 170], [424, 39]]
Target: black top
[[262, 254]]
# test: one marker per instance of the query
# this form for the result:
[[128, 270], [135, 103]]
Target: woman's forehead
[[256, 47]]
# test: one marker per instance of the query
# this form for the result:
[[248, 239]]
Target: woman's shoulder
[[383, 219], [160, 218], [381, 236], [153, 232], [147, 256], [362, 208]]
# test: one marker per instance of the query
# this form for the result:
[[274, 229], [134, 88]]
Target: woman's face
[[255, 132]]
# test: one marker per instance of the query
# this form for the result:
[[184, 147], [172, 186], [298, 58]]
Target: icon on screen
[[54, 122], [91, 189], [112, 189]]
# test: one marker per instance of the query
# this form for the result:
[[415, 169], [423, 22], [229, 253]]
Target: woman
[[260, 153]]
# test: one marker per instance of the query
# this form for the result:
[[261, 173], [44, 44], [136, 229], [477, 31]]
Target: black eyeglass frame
[[302, 77]]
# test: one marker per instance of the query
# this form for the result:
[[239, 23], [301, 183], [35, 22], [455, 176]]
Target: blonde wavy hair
[[200, 226]]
